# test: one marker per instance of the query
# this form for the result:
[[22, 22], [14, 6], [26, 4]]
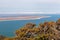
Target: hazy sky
[[29, 6]]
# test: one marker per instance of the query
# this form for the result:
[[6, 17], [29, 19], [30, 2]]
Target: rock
[[30, 25], [58, 22], [2, 37]]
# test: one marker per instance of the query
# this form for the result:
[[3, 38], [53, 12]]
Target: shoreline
[[23, 18]]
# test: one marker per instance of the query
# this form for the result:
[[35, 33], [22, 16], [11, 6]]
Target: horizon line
[[29, 12]]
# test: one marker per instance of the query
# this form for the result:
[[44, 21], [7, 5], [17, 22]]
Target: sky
[[29, 6]]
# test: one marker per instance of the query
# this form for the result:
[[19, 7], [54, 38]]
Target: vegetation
[[46, 31]]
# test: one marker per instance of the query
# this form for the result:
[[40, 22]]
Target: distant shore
[[23, 18]]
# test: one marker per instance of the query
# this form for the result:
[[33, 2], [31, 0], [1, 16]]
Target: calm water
[[8, 28]]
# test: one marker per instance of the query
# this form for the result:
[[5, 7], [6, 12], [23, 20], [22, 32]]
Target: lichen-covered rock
[[58, 22], [30, 25]]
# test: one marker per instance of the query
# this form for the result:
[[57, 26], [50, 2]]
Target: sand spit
[[23, 18]]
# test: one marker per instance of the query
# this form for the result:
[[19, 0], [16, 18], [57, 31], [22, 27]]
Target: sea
[[8, 28]]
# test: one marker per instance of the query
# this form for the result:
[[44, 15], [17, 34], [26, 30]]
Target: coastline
[[23, 18]]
